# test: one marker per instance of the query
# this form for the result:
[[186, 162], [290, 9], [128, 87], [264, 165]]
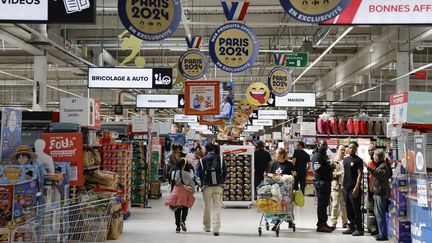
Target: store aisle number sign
[[67, 147], [313, 11], [150, 20], [234, 47], [193, 64]]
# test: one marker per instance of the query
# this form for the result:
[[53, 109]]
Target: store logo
[[73, 6]]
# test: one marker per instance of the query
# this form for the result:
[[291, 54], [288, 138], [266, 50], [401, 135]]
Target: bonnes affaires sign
[[385, 12]]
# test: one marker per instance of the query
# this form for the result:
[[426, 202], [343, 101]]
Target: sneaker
[[183, 226], [358, 233], [324, 229], [178, 229], [345, 226], [382, 238], [206, 229], [216, 233], [348, 231]]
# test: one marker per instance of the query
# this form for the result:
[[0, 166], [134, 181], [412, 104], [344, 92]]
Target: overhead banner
[[382, 12], [280, 81], [130, 78], [272, 115], [202, 97], [297, 100], [150, 20], [184, 118], [257, 94], [46, 11], [234, 46], [159, 101], [312, 11], [193, 64]]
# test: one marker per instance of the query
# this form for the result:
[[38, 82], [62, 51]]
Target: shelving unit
[[140, 174]]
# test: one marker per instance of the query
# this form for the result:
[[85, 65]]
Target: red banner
[[67, 147]]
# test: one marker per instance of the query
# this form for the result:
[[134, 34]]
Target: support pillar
[[40, 95], [402, 67]]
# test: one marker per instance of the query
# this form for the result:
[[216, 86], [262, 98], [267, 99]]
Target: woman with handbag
[[181, 197]]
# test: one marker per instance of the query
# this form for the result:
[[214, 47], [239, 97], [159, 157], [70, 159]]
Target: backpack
[[212, 172]]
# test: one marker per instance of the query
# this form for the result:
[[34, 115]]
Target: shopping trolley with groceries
[[275, 202]]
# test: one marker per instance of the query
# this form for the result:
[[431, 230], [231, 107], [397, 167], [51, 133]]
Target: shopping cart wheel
[[267, 226], [277, 232], [259, 232]]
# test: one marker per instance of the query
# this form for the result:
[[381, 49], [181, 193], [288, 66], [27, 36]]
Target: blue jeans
[[380, 212]]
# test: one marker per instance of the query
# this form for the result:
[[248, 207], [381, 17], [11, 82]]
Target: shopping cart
[[85, 219], [274, 202]]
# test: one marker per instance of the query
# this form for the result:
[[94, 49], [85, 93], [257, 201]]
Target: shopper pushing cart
[[275, 194]]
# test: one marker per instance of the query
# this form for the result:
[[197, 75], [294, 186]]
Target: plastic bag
[[299, 198]]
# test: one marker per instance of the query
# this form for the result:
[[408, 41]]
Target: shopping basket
[[274, 202], [85, 219]]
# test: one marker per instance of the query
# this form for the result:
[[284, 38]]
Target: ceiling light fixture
[[323, 54]]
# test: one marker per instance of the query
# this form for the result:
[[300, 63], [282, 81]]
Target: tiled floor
[[156, 224]]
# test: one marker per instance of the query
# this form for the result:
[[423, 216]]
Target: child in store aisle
[[181, 197]]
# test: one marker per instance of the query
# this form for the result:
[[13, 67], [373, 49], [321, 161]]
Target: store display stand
[[239, 190]]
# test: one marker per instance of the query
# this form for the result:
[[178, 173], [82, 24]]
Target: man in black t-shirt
[[262, 163], [353, 175], [301, 161]]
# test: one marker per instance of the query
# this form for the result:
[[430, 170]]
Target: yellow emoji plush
[[258, 94]]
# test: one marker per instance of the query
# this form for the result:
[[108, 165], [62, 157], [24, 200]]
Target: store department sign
[[193, 64], [17, 10], [297, 100], [130, 78], [280, 81], [234, 47], [78, 110], [272, 115], [382, 12], [312, 11], [184, 118], [158, 101], [150, 20], [265, 123]]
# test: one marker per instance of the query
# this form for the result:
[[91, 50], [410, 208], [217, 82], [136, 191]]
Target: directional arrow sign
[[297, 59]]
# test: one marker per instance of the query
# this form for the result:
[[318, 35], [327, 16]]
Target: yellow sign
[[258, 94], [193, 64], [280, 81]]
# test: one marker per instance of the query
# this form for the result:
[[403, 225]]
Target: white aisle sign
[[296, 100], [77, 110], [120, 78], [184, 118], [262, 123], [272, 114], [19, 10], [157, 101], [139, 124]]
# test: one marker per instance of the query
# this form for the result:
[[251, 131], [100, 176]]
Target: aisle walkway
[[156, 224]]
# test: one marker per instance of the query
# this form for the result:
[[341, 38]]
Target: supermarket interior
[[215, 121]]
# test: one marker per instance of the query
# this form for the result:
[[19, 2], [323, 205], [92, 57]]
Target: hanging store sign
[[130, 78], [184, 118], [150, 20], [297, 100], [193, 64], [139, 124], [383, 12], [17, 11], [272, 115], [265, 123], [257, 94], [210, 121], [202, 97], [78, 110], [234, 47], [280, 81], [312, 11], [159, 101]]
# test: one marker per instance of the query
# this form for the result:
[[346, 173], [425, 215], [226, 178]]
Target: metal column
[[40, 95]]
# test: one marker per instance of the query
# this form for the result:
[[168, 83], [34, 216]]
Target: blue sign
[[234, 47], [150, 20], [193, 64], [313, 11], [10, 132]]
